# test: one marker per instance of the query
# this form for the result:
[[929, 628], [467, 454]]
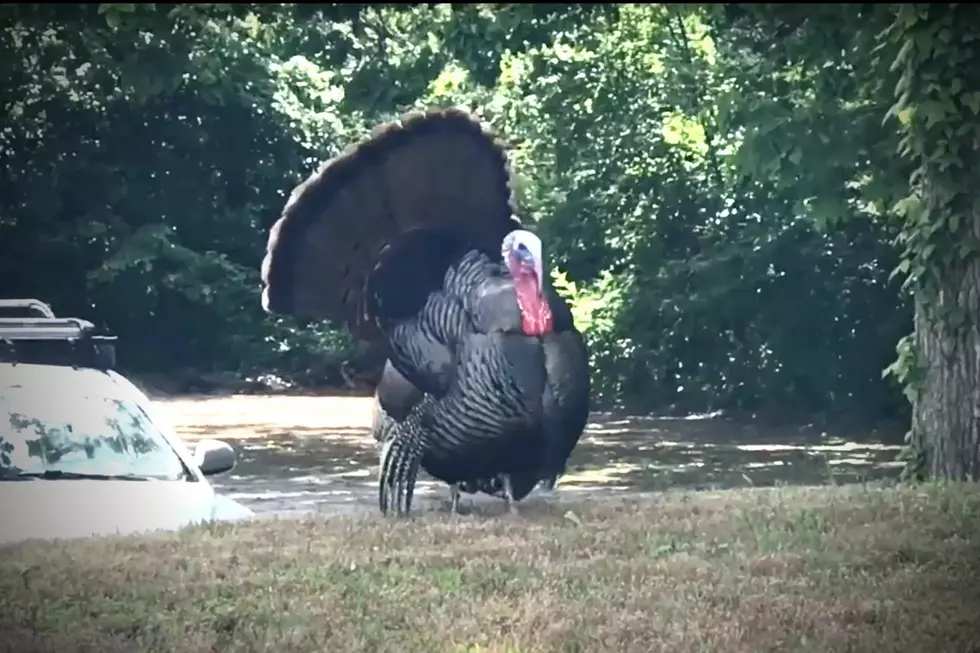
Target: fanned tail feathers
[[345, 247]]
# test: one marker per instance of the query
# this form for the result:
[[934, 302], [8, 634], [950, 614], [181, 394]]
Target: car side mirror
[[214, 457]]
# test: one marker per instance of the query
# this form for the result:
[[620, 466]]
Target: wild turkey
[[410, 235]]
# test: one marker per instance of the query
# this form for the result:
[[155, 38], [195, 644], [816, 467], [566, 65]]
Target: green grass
[[820, 569]]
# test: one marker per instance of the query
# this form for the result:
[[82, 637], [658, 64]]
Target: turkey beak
[[533, 261], [529, 260]]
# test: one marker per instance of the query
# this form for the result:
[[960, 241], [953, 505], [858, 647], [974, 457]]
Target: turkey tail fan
[[374, 227]]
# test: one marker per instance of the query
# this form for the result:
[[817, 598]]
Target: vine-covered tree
[[873, 111], [938, 113]]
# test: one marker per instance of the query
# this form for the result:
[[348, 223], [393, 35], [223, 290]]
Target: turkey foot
[[509, 494], [547, 487]]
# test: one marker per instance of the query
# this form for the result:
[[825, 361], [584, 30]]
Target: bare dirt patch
[[242, 417], [315, 453], [784, 569]]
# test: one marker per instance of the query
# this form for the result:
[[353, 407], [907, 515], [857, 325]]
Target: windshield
[[79, 433]]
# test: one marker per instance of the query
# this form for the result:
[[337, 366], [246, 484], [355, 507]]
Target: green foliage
[[897, 84], [162, 134], [704, 182], [937, 114]]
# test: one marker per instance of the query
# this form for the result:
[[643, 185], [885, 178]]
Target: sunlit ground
[[241, 417], [315, 453]]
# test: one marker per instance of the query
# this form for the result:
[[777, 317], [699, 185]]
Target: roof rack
[[27, 305], [49, 340]]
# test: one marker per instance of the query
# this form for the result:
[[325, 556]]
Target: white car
[[84, 452]]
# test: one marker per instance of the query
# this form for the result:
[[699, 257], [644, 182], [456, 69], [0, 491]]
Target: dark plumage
[[411, 235]]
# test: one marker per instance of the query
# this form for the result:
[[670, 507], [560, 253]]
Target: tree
[[938, 113], [829, 135]]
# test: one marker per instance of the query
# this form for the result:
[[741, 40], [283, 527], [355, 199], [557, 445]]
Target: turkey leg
[[454, 499], [509, 494]]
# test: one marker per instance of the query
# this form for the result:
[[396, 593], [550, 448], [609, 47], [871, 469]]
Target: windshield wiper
[[57, 475]]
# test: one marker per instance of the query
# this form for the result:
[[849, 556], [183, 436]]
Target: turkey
[[410, 236]]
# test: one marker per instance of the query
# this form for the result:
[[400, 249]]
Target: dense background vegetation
[[701, 176]]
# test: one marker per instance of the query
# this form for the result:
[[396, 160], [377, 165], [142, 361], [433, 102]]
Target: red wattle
[[536, 319]]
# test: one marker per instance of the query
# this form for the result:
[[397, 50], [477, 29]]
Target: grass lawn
[[819, 569]]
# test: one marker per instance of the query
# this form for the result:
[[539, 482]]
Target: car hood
[[81, 508]]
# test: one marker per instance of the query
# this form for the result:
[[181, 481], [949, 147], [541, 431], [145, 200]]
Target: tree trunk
[[941, 67], [946, 414]]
